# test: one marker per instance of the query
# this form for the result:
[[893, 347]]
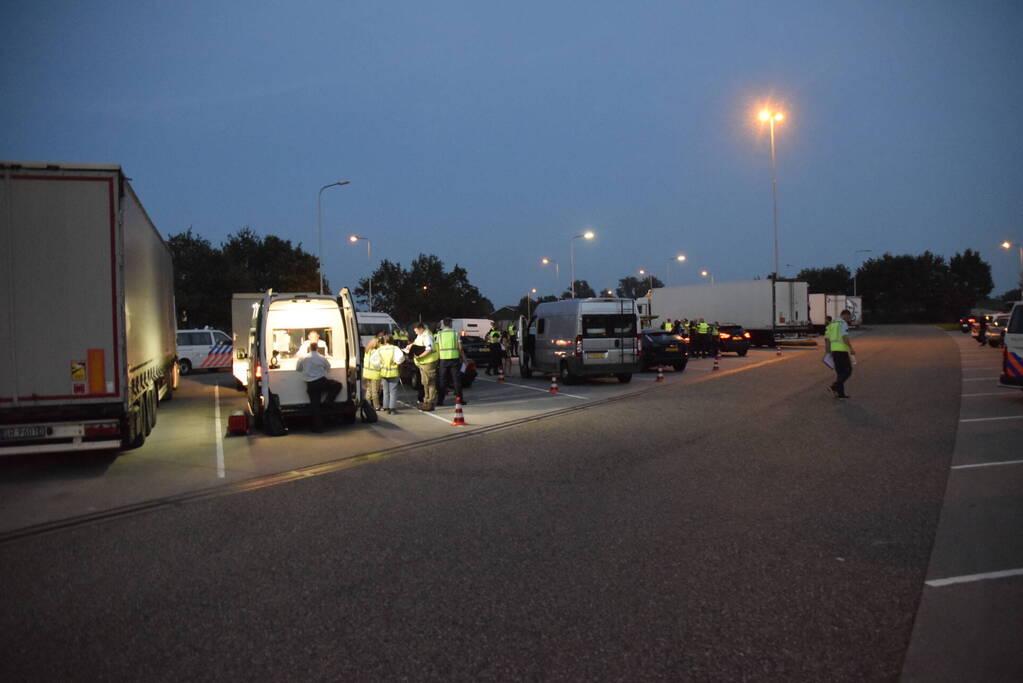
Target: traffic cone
[[716, 366], [500, 373], [660, 374], [778, 349], [459, 420], [554, 385]]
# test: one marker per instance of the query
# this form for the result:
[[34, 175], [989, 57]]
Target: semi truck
[[748, 303], [87, 310], [824, 305]]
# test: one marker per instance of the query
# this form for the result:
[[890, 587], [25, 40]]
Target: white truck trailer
[[747, 303], [823, 305], [87, 310]]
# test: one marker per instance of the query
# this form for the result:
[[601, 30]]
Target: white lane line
[[423, 412], [993, 419], [218, 432], [979, 379], [523, 386], [970, 578], [1003, 394], [995, 463]]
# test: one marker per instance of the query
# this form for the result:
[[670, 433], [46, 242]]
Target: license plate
[[12, 433], [672, 348], [595, 354]]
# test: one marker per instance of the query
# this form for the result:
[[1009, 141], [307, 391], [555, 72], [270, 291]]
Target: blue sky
[[489, 133]]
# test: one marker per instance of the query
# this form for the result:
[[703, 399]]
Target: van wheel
[[369, 413], [566, 376], [184, 366], [679, 367], [743, 352], [624, 377]]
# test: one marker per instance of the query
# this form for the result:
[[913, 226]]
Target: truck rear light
[[259, 370], [579, 346], [104, 429]]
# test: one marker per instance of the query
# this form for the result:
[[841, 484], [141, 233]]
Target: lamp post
[[857, 271], [557, 270], [650, 278], [319, 226], [1019, 244], [680, 258], [588, 235], [770, 116], [707, 273], [529, 300], [369, 257]]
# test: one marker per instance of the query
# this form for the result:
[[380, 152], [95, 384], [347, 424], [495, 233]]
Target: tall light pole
[[651, 278], [770, 116], [557, 271], [588, 235], [369, 257], [529, 300], [857, 271], [707, 273], [680, 258], [319, 226], [1019, 243]]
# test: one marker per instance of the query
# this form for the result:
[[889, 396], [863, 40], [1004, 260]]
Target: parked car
[[663, 348], [966, 323], [733, 339], [996, 329], [476, 348]]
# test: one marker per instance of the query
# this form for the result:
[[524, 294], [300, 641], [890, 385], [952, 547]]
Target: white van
[[370, 324], [471, 327], [280, 323], [207, 349], [578, 338], [1012, 349]]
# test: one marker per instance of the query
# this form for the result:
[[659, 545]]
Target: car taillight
[[259, 370], [685, 339], [579, 345], [104, 429], [725, 335], [746, 334]]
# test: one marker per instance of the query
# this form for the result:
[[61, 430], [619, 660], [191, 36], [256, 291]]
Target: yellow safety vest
[[446, 343], [667, 325], [368, 372], [833, 332], [493, 336], [511, 330], [388, 368], [431, 357], [702, 328]]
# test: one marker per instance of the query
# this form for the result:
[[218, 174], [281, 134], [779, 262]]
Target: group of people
[[503, 345], [703, 336]]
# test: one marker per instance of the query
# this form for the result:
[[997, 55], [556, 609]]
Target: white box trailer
[[747, 303], [87, 310], [823, 305]]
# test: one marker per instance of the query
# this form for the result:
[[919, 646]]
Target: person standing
[[702, 338], [314, 369], [387, 358], [836, 343], [371, 374], [667, 326], [449, 348], [426, 360], [513, 338]]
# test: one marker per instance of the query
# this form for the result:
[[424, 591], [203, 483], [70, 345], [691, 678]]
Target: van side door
[[352, 352]]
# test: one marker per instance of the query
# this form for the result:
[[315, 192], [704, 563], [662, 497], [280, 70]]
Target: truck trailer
[[747, 303], [824, 305], [87, 314]]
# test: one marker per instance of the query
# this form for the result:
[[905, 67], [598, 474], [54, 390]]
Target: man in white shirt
[[314, 368], [426, 359], [312, 339]]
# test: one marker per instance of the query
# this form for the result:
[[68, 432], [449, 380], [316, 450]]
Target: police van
[[207, 349], [579, 338], [1012, 349]]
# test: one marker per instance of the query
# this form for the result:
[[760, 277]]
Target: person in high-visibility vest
[[449, 348], [513, 339], [399, 335], [667, 325], [838, 346], [715, 338], [702, 334], [494, 342], [386, 358], [426, 359], [371, 375]]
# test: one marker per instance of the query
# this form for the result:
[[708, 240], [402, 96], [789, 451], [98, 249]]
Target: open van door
[[352, 355], [527, 344]]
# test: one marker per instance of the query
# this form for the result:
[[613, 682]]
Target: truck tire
[[135, 433], [624, 377], [184, 366]]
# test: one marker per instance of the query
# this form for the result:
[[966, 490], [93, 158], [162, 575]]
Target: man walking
[[449, 348], [837, 344], [314, 368]]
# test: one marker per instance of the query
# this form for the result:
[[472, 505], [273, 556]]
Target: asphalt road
[[745, 528]]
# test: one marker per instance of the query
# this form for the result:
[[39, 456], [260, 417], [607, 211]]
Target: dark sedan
[[663, 348], [733, 339], [476, 348]]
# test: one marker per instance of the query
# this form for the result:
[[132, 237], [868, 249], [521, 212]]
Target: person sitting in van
[[313, 337], [314, 369]]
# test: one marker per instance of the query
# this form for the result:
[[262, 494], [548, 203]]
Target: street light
[[771, 116], [857, 271], [369, 257], [707, 273], [588, 235], [529, 300], [319, 226], [557, 270], [1019, 243], [667, 269]]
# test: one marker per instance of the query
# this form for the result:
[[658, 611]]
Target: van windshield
[[1016, 322], [288, 342], [609, 325]]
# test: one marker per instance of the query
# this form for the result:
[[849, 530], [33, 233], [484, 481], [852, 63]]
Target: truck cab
[[279, 327]]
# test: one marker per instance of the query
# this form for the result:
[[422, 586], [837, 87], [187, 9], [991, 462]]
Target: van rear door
[[352, 348], [608, 338]]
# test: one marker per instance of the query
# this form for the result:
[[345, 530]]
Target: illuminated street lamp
[[679, 258], [557, 270], [1019, 244], [707, 273], [771, 116], [588, 235], [369, 257], [650, 276], [319, 226]]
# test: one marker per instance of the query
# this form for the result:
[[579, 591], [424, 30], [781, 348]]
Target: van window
[[221, 338], [1016, 323], [193, 338], [367, 329], [541, 326], [614, 325], [286, 342]]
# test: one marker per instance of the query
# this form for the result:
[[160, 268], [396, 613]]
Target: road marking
[[979, 379], [970, 578], [1003, 394], [523, 386], [218, 433], [988, 464], [424, 412], [993, 419]]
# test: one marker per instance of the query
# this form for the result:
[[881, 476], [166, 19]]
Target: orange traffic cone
[[778, 349], [459, 420], [500, 373], [716, 359], [660, 374], [554, 385]]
